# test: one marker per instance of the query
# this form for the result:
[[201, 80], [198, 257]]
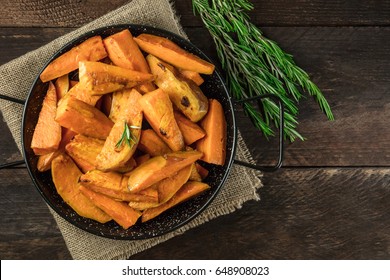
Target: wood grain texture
[[73, 13], [305, 213]]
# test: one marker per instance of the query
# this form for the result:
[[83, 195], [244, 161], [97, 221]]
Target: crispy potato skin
[[184, 93], [158, 111]]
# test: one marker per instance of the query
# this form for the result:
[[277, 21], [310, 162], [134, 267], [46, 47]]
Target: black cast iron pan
[[213, 87]]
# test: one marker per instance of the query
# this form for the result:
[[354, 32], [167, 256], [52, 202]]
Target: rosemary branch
[[127, 136], [255, 65]]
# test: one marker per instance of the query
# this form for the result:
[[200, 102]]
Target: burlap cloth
[[16, 78]]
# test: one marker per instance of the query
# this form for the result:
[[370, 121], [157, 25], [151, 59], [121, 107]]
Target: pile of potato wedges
[[124, 127]]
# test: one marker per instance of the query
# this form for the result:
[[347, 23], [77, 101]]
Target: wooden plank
[[304, 213], [305, 13], [74, 13], [352, 69], [28, 231]]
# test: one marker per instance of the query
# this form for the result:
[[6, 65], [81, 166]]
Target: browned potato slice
[[173, 54], [83, 118], [158, 111], [119, 211], [184, 93], [101, 78], [150, 143], [84, 150], [116, 153], [65, 177], [159, 167], [189, 190], [114, 185]]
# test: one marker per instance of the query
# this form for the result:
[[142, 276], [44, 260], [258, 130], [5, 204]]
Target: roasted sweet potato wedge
[[123, 214], [158, 112], [83, 118], [116, 153], [65, 176], [187, 191], [100, 78], [114, 185], [169, 186], [158, 168], [184, 93], [170, 52], [150, 143], [193, 76], [213, 145], [124, 52], [47, 133], [141, 159], [62, 86], [44, 161], [84, 150], [191, 131], [81, 93], [90, 50]]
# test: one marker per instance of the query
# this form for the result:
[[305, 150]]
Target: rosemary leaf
[[256, 65]]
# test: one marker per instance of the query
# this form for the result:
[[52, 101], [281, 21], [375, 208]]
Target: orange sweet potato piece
[[195, 176], [170, 52], [184, 93], [141, 159], [62, 86], [187, 191], [113, 156], [213, 145], [114, 185], [81, 93], [119, 104], [83, 118], [44, 161], [100, 78], [72, 83], [193, 76], [106, 104], [158, 168], [65, 176], [158, 111], [150, 143], [203, 172], [190, 130], [47, 133], [92, 50], [169, 186], [124, 52], [123, 214], [84, 150]]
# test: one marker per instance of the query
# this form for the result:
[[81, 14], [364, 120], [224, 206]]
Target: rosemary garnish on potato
[[127, 136], [255, 65]]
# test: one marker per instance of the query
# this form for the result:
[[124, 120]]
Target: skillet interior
[[172, 219]]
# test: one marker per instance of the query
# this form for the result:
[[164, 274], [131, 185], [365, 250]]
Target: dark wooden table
[[331, 199]]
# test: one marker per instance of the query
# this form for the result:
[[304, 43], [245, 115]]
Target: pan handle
[[281, 139], [17, 162]]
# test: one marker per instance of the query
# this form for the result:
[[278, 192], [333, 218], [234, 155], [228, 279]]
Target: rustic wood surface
[[331, 198]]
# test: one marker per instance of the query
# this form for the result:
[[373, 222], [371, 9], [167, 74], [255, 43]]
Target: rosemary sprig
[[255, 65], [127, 136]]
